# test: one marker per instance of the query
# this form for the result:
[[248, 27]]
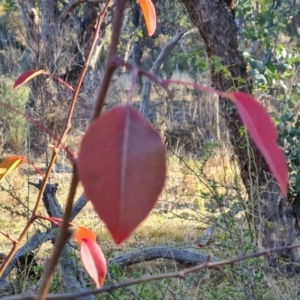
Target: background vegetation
[[204, 203]]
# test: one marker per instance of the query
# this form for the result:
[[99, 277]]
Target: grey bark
[[58, 44], [72, 274], [273, 220], [162, 58], [70, 270], [148, 254]]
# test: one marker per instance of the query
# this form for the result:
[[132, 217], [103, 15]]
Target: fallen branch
[[53, 209], [180, 255], [180, 275]]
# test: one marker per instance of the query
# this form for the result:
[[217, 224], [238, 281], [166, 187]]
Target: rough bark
[[161, 59], [69, 265], [273, 219], [148, 254]]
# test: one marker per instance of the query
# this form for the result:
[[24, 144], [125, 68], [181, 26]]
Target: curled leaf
[[84, 233], [9, 164], [264, 134], [93, 261], [149, 15], [26, 76], [122, 166]]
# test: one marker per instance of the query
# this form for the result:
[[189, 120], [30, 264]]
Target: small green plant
[[12, 125]]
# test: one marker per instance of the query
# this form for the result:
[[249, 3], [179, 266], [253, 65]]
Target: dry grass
[[178, 220], [200, 189]]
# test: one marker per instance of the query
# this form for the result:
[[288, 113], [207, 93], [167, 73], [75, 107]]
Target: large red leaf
[[264, 134], [28, 75], [9, 164], [149, 15], [122, 166], [94, 261]]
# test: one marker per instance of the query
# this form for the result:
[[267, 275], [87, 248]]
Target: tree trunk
[[59, 43], [273, 219], [161, 59]]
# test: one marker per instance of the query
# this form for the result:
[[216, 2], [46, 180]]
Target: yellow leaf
[[9, 164]]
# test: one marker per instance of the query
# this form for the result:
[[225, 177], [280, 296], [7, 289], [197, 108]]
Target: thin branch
[[110, 65], [40, 238], [69, 8], [64, 232], [180, 275], [153, 77], [8, 236], [56, 149], [63, 236], [162, 57], [209, 232]]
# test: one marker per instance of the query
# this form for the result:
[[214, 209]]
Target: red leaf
[[94, 261], [149, 15], [122, 166], [264, 134], [84, 233], [9, 164], [26, 76]]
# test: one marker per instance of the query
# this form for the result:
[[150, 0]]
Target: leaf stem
[[63, 236], [64, 232], [111, 66]]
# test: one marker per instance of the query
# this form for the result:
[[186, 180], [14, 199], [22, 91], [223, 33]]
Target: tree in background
[[273, 219]]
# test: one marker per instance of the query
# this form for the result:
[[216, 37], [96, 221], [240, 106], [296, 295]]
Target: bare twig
[[209, 232], [69, 8], [39, 238], [110, 65], [63, 236], [162, 57], [153, 77], [55, 153], [180, 275], [8, 236], [64, 231]]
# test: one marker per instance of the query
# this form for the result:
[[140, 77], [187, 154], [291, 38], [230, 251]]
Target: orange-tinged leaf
[[9, 164], [122, 166], [149, 15], [28, 75], [84, 233], [264, 134], [94, 261]]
